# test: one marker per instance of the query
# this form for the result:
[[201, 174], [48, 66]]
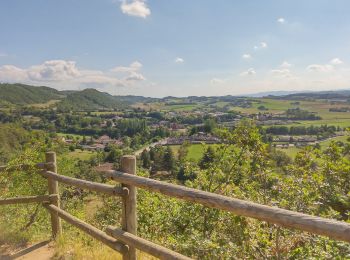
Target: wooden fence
[[126, 241]]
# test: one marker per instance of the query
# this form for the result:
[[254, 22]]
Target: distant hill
[[275, 93], [20, 94], [92, 99], [337, 94], [129, 99], [88, 100]]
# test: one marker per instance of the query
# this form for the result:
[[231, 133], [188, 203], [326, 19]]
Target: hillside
[[337, 94], [20, 94], [129, 99], [90, 99], [12, 137]]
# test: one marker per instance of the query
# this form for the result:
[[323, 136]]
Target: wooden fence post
[[129, 218], [53, 189]]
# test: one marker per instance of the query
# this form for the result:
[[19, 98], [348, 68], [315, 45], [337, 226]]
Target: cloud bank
[[60, 73]]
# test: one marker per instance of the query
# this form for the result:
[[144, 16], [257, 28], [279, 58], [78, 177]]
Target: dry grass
[[74, 245]]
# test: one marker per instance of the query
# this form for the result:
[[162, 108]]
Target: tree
[[208, 158], [146, 159], [168, 159], [114, 155], [183, 151], [209, 125]]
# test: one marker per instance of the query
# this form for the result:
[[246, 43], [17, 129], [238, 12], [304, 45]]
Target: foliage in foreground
[[316, 183]]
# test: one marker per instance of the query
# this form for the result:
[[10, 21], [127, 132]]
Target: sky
[[176, 48]]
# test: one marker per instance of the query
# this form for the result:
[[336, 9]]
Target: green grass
[[195, 151], [326, 143], [45, 105], [80, 154], [73, 135], [188, 107], [292, 151]]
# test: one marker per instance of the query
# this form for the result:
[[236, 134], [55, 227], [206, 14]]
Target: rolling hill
[[20, 94], [88, 100]]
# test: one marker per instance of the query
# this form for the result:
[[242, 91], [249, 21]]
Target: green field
[[80, 154], [195, 151], [321, 107], [292, 151], [73, 135]]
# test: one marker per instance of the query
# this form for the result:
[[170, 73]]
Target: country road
[[161, 142]]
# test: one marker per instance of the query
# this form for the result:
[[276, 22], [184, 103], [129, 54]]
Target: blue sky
[[179, 48]]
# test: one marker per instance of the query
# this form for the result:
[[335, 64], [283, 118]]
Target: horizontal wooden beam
[[285, 218], [88, 185], [144, 245], [89, 229], [30, 199]]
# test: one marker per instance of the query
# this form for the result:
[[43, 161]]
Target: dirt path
[[161, 142], [40, 251]]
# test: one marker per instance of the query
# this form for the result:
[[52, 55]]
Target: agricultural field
[[81, 154], [195, 151], [75, 136], [47, 104], [292, 151]]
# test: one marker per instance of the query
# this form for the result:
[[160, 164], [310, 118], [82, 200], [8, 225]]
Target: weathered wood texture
[[28, 199], [129, 218], [88, 185], [144, 245], [285, 218], [53, 189], [89, 229]]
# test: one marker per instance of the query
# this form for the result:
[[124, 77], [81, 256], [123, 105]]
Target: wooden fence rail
[[144, 245], [29, 199], [126, 241], [285, 218], [88, 185], [91, 230]]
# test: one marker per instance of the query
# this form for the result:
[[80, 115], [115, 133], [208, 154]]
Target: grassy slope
[[292, 151], [89, 99], [21, 94], [195, 151]]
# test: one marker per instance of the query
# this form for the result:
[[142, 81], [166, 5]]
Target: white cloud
[[58, 73], [10, 73], [137, 8], [282, 73], [179, 60], [135, 66], [246, 56], [336, 61], [281, 20], [320, 68], [53, 70], [248, 72], [331, 66], [3, 54], [216, 81], [135, 76], [262, 45], [285, 64]]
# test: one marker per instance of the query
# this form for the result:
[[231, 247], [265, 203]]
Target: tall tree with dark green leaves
[[169, 159], [208, 158], [146, 159]]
